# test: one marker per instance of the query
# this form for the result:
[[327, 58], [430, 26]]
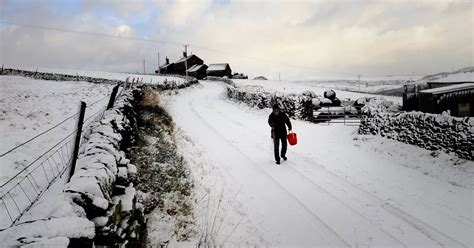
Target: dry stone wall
[[295, 106], [429, 131]]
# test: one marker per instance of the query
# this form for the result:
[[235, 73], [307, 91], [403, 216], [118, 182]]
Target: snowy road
[[336, 190]]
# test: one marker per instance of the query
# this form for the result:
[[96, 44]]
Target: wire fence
[[20, 192]]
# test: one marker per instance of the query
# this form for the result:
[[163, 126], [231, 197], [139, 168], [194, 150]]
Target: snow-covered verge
[[98, 205], [296, 106], [165, 188], [430, 131]]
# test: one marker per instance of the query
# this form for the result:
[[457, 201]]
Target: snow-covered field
[[341, 89], [147, 78], [30, 107], [337, 189]]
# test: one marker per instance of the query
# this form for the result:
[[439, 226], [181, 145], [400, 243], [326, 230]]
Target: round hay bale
[[316, 103], [330, 94]]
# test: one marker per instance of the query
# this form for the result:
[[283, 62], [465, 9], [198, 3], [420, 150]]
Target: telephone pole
[[143, 66], [186, 60]]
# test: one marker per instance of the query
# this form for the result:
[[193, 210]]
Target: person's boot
[[284, 158], [277, 162]]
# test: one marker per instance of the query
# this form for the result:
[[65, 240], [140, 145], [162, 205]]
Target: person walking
[[278, 122]]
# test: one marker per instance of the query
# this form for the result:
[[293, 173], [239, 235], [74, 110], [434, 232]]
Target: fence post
[[112, 97], [78, 139], [2, 70]]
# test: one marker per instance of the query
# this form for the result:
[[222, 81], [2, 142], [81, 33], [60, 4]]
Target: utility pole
[[279, 76], [143, 66], [186, 60]]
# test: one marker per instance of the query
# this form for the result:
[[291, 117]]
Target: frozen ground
[[319, 88], [30, 107], [337, 189]]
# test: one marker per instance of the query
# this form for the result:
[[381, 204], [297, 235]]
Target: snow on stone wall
[[56, 76], [98, 206], [295, 106], [102, 182], [429, 131]]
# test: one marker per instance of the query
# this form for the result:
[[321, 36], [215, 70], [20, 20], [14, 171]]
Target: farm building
[[458, 99], [189, 61], [198, 71], [219, 70], [453, 93], [167, 68], [179, 67]]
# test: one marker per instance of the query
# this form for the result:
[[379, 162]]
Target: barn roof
[[195, 68], [449, 89], [217, 67]]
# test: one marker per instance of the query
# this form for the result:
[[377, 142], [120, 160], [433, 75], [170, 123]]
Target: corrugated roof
[[217, 67], [451, 88]]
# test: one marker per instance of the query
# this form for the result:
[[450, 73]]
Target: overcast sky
[[298, 39]]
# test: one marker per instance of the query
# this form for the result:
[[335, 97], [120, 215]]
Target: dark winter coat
[[277, 122]]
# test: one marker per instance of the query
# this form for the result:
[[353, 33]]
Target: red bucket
[[292, 139]]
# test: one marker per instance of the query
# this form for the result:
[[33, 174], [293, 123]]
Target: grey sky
[[296, 38]]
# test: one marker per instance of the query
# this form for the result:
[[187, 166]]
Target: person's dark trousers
[[276, 146]]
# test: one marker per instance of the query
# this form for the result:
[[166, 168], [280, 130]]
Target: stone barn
[[219, 70]]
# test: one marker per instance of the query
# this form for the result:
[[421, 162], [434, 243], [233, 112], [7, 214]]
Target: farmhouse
[[219, 70], [189, 61], [179, 67], [198, 71]]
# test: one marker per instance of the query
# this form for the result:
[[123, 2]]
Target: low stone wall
[[429, 131], [98, 206], [103, 182], [55, 76], [295, 106], [167, 85]]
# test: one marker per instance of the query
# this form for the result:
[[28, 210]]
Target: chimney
[[185, 55], [167, 60]]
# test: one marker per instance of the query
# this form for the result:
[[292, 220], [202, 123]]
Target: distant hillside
[[445, 74]]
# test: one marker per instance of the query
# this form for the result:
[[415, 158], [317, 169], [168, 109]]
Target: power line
[[235, 54]]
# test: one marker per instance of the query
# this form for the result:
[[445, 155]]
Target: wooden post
[[78, 140], [112, 97], [2, 70]]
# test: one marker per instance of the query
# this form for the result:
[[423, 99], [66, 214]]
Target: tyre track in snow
[[427, 230], [424, 228], [335, 241]]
